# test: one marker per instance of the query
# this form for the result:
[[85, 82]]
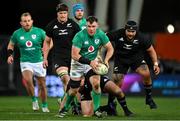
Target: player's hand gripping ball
[[102, 69]]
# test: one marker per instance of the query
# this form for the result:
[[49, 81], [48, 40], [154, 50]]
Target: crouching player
[[107, 86]]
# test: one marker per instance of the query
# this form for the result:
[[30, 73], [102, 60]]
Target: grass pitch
[[19, 108]]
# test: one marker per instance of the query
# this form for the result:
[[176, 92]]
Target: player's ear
[[97, 25], [20, 23]]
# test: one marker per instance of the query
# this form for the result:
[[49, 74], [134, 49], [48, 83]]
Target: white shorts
[[36, 68], [78, 70]]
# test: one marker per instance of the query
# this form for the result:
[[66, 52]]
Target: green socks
[[96, 99], [68, 101], [34, 98], [44, 104]]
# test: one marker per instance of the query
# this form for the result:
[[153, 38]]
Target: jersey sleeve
[[105, 38], [13, 38], [43, 34], [77, 40], [48, 30], [146, 42]]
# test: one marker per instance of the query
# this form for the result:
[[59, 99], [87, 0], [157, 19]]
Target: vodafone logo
[[91, 49], [29, 44]]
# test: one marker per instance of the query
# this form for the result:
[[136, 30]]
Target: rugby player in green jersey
[[78, 13], [29, 40], [86, 44]]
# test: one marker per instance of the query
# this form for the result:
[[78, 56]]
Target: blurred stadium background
[[158, 19]]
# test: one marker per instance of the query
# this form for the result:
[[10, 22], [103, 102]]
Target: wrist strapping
[[10, 52], [155, 63], [84, 60]]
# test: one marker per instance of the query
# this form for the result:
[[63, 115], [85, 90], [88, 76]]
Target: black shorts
[[73, 84], [61, 61], [122, 66], [86, 89], [103, 81]]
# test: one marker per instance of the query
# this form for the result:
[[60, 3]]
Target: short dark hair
[[131, 25], [61, 7], [91, 19]]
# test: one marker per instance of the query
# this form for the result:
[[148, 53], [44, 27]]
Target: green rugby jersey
[[90, 45], [29, 43], [81, 23]]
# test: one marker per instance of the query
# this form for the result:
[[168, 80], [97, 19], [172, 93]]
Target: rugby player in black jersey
[[107, 86], [130, 46], [60, 31]]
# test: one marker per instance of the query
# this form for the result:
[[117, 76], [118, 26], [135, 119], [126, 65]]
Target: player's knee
[[118, 78], [96, 86], [28, 79], [95, 81], [87, 112], [41, 86], [121, 94], [73, 92], [29, 83], [146, 75], [118, 93]]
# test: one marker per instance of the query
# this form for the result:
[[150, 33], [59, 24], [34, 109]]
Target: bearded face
[[130, 34]]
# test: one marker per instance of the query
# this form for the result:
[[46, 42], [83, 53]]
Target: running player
[[29, 40], [85, 47]]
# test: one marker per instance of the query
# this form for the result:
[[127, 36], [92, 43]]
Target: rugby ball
[[102, 69]]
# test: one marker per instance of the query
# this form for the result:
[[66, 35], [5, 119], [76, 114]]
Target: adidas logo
[[69, 25], [55, 27]]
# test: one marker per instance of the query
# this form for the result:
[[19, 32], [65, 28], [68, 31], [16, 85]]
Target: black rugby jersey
[[128, 51], [62, 35]]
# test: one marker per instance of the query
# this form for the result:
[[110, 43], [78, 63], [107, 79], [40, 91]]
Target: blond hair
[[25, 14]]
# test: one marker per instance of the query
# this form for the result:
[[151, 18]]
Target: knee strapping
[[62, 73]]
